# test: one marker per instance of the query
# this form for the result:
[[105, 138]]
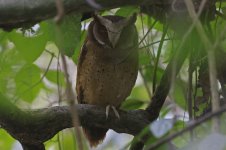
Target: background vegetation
[[181, 77]]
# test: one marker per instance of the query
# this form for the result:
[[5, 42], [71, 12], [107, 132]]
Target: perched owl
[[108, 66]]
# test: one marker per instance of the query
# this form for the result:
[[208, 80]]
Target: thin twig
[[59, 141], [153, 43], [69, 92], [157, 58], [218, 13], [147, 32], [189, 95], [39, 81], [211, 59], [145, 83], [71, 99], [188, 128], [94, 4], [59, 100], [60, 11], [58, 81]]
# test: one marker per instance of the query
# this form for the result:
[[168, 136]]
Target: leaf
[[179, 94], [69, 34], [131, 104], [10, 61], [126, 11], [75, 56], [30, 48], [56, 77], [69, 141], [2, 35], [223, 10], [6, 141], [28, 84], [144, 57], [139, 92], [161, 127]]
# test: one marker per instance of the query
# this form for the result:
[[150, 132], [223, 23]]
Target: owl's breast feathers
[[101, 81]]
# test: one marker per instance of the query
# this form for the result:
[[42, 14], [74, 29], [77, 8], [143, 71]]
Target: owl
[[107, 67]]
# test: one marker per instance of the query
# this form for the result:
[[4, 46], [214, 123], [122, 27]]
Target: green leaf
[[75, 56], [56, 77], [10, 62], [2, 35], [6, 141], [69, 141], [29, 47], [223, 10], [28, 82], [131, 104], [139, 92], [68, 35], [179, 94], [127, 11], [144, 57]]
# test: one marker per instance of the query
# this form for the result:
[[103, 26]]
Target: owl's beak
[[114, 37]]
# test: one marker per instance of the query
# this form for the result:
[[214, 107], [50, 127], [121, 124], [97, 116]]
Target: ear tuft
[[102, 20]]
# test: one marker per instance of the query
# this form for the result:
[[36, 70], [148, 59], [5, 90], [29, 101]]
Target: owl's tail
[[94, 135]]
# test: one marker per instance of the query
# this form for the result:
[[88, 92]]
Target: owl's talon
[[107, 111], [114, 109], [116, 112]]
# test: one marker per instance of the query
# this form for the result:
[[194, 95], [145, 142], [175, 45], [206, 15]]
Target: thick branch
[[37, 126], [163, 89], [15, 13], [190, 127]]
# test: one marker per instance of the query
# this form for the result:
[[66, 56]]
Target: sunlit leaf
[[144, 58], [28, 82], [70, 34], [29, 47], [139, 92], [179, 95], [10, 61], [8, 141], [56, 77], [131, 104], [75, 56]]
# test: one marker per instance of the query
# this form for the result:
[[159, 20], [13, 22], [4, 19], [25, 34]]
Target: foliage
[[31, 74]]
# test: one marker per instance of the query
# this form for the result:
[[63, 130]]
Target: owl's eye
[[114, 32]]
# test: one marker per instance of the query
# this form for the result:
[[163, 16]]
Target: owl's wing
[[80, 85]]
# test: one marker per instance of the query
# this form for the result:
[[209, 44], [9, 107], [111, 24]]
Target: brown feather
[[105, 75]]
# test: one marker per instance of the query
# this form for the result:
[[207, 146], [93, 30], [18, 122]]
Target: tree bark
[[34, 127], [17, 13]]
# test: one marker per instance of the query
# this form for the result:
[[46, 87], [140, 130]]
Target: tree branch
[[17, 13], [163, 89], [190, 127], [34, 127]]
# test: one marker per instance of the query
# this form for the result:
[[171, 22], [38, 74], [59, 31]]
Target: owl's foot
[[114, 109]]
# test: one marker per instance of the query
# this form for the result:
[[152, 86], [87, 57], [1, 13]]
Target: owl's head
[[108, 29]]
